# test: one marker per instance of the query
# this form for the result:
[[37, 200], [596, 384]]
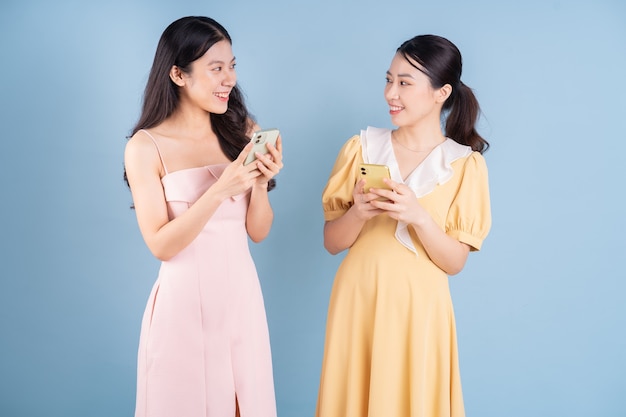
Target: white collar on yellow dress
[[435, 169]]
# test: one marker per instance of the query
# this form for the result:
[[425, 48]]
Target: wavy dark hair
[[441, 61], [182, 42]]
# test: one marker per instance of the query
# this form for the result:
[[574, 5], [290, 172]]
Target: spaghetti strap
[[157, 147]]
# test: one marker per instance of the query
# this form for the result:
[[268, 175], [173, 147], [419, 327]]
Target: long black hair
[[442, 63], [182, 42]]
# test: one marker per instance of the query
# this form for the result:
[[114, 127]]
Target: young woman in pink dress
[[204, 347]]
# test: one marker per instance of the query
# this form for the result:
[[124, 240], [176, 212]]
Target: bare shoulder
[[141, 152]]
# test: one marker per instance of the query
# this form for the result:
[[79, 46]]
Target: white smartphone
[[260, 139]]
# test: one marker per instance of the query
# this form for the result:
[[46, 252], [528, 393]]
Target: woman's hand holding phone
[[237, 177], [376, 193], [362, 206], [401, 203], [374, 176], [260, 141], [266, 154]]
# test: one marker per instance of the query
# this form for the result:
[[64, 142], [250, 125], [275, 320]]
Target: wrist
[[355, 214], [420, 222], [219, 193], [259, 187]]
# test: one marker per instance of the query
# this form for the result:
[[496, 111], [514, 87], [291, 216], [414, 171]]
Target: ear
[[443, 93], [177, 76]]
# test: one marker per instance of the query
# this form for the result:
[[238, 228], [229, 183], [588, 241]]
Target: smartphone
[[374, 175], [260, 138]]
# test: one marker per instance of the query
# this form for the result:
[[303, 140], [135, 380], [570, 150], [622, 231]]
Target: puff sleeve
[[337, 195], [469, 217]]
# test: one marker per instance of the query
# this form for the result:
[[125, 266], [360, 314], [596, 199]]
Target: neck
[[419, 137], [191, 122]]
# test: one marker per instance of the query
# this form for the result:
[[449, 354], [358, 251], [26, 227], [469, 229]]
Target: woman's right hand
[[237, 178], [342, 232], [362, 207]]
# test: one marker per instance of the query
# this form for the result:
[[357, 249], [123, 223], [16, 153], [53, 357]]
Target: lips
[[222, 96], [395, 109]]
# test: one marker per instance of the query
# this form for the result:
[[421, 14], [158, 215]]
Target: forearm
[[446, 252], [341, 233], [260, 215], [177, 234]]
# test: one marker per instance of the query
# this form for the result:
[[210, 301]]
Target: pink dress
[[204, 338]]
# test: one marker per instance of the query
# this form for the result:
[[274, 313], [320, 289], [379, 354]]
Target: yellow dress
[[390, 348]]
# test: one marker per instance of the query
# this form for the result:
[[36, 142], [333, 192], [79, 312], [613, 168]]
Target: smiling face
[[210, 79], [410, 94]]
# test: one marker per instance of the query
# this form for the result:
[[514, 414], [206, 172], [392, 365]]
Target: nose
[[231, 78], [391, 91]]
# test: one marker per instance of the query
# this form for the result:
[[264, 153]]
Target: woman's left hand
[[402, 205], [271, 163]]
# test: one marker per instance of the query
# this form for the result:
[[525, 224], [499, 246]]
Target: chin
[[220, 110], [397, 121]]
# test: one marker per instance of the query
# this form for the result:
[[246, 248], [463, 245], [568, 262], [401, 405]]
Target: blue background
[[540, 310]]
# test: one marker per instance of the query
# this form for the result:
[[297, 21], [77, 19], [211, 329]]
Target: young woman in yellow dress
[[390, 348]]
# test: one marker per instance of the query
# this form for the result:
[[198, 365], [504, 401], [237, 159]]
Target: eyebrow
[[221, 62], [402, 75]]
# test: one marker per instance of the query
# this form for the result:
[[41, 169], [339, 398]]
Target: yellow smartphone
[[374, 175], [260, 138]]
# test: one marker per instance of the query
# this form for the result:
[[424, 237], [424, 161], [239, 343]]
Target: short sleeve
[[469, 218], [337, 195]]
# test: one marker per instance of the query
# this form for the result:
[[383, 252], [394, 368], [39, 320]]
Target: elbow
[[258, 236], [165, 248], [162, 254], [455, 264], [256, 239], [335, 240], [163, 257], [258, 230], [454, 269], [332, 249]]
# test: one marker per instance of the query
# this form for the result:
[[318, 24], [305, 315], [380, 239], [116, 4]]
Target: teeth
[[222, 95], [395, 108]]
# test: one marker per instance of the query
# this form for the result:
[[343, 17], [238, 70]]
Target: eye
[[217, 69], [387, 80], [403, 83], [234, 64]]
